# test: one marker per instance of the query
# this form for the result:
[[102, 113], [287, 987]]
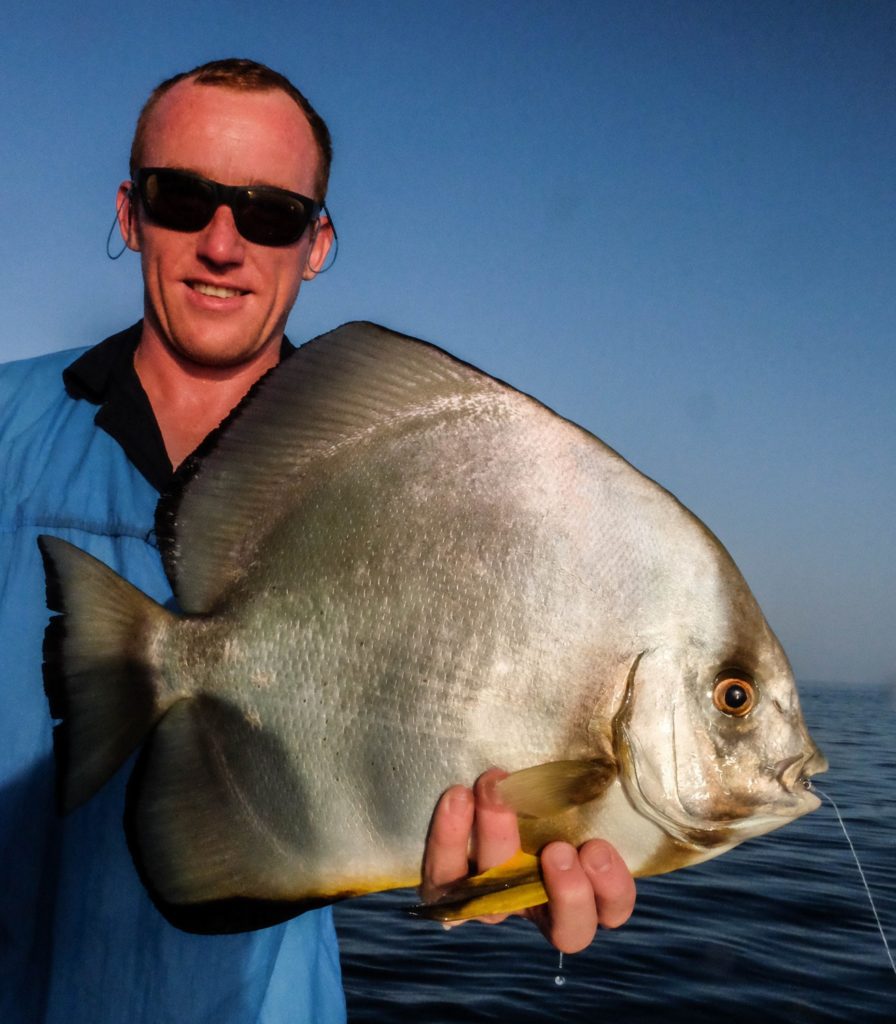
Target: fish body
[[395, 572]]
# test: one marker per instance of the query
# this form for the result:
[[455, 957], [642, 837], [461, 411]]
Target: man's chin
[[221, 355]]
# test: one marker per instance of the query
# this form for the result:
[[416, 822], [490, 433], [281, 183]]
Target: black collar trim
[[105, 376]]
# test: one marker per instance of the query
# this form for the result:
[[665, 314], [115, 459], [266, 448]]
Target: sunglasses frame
[[235, 197]]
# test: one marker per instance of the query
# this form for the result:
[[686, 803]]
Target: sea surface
[[780, 929]]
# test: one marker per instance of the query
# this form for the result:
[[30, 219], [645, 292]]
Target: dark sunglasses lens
[[185, 202], [178, 201], [268, 218]]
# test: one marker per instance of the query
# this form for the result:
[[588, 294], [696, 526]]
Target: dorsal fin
[[335, 390]]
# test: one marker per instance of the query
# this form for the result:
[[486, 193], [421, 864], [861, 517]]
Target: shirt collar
[[105, 376]]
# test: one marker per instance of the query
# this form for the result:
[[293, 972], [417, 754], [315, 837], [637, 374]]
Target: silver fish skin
[[395, 572]]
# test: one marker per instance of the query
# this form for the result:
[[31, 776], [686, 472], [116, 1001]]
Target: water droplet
[[558, 978]]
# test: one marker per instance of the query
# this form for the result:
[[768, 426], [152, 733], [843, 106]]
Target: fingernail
[[459, 801], [487, 794], [563, 857], [599, 860]]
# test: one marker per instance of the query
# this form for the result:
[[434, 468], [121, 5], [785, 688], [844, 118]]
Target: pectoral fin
[[549, 789], [513, 885]]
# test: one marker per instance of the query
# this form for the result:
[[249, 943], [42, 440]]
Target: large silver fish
[[395, 572]]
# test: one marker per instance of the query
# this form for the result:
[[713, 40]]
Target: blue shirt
[[80, 941]]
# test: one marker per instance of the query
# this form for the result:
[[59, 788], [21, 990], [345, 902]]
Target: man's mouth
[[215, 291]]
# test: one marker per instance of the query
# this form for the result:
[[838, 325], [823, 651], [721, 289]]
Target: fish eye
[[734, 695]]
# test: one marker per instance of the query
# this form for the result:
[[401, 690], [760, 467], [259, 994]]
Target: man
[[80, 940]]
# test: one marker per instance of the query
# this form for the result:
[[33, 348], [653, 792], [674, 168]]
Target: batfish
[[393, 572]]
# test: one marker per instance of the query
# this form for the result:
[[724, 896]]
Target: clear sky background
[[673, 222]]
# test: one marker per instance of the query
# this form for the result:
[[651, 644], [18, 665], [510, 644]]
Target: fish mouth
[[793, 773]]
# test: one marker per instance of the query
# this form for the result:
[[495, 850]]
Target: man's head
[[211, 295]]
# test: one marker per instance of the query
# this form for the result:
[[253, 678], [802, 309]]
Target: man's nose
[[219, 241]]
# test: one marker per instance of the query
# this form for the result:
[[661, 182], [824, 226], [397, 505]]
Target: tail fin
[[97, 670]]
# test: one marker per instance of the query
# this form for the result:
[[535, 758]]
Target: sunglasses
[[185, 202]]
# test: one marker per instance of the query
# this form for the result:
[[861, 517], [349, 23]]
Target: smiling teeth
[[215, 290]]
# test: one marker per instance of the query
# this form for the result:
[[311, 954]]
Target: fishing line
[[880, 928]]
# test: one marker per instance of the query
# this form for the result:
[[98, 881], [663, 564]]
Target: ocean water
[[778, 930]]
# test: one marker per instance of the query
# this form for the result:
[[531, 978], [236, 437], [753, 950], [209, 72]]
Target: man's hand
[[585, 887]]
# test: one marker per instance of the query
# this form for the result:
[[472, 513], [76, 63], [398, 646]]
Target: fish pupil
[[736, 696]]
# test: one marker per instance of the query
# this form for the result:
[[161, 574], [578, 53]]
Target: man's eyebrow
[[253, 181]]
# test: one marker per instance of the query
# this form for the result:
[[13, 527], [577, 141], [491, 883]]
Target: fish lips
[[793, 773]]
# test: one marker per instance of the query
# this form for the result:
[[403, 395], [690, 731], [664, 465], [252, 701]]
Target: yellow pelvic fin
[[548, 789], [513, 885]]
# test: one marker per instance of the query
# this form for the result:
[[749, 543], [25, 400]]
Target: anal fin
[[541, 792], [514, 885]]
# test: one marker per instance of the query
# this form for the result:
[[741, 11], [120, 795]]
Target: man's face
[[211, 296]]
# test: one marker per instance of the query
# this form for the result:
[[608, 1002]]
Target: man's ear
[[126, 212], [320, 248]]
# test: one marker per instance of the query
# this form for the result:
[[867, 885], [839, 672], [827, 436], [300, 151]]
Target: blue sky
[[672, 222]]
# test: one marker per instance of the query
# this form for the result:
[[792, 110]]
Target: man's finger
[[613, 885], [447, 846], [569, 919], [497, 836]]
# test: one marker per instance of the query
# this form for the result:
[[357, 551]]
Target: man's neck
[[189, 400]]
